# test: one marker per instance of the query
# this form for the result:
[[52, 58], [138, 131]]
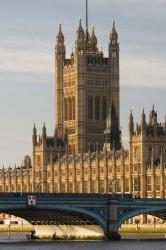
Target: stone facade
[[85, 86], [141, 170], [85, 153]]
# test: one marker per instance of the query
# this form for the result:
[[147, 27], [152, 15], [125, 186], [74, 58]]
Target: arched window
[[104, 108], [63, 187], [70, 147], [97, 108], [90, 107], [73, 108], [150, 153], [69, 109], [65, 109]]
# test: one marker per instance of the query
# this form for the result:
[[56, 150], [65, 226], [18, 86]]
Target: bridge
[[108, 212]]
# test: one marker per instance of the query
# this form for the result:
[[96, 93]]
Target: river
[[18, 242]]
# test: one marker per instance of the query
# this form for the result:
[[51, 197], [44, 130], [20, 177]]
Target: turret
[[153, 117], [80, 40], [143, 121], [60, 52], [114, 65], [112, 132], [34, 136], [93, 40], [87, 39], [60, 47], [113, 45], [44, 135], [131, 125]]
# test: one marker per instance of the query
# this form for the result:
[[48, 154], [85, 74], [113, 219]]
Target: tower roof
[[113, 34]]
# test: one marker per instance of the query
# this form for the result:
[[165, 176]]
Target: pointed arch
[[104, 108], [65, 109], [97, 108], [90, 107]]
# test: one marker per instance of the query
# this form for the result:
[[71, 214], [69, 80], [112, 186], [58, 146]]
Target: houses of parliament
[[85, 153]]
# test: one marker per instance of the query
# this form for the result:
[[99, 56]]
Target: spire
[[34, 130], [94, 40], [60, 37], [44, 131], [114, 34], [87, 14], [60, 34], [87, 39], [143, 120], [80, 28], [153, 117], [56, 133], [112, 132], [80, 37], [131, 124], [34, 135]]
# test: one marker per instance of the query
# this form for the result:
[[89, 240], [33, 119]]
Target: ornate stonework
[[85, 153]]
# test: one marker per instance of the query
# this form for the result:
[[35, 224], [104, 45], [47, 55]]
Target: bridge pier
[[112, 228]]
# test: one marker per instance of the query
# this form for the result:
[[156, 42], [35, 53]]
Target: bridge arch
[[65, 210], [155, 211]]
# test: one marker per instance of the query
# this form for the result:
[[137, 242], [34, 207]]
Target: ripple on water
[[122, 245]]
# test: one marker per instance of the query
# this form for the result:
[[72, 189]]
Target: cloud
[[143, 72], [25, 61]]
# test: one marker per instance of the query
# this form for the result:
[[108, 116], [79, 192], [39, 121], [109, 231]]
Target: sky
[[27, 40]]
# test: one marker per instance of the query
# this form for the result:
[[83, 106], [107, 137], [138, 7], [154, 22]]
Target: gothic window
[[70, 149], [114, 55], [63, 187], [149, 183], [118, 185], [102, 186], [65, 109], [90, 107], [86, 187], [136, 153], [136, 182], [113, 42], [110, 187], [70, 188], [126, 185], [165, 182], [93, 190], [56, 187], [73, 108], [150, 153], [38, 161], [69, 109], [48, 188], [78, 187], [97, 108], [157, 183], [19, 188], [104, 108]]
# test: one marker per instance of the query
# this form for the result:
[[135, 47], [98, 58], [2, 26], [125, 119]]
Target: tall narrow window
[[90, 107], [157, 183], [104, 108], [136, 183], [102, 186], [149, 183], [70, 109], [73, 108], [97, 108], [65, 109]]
